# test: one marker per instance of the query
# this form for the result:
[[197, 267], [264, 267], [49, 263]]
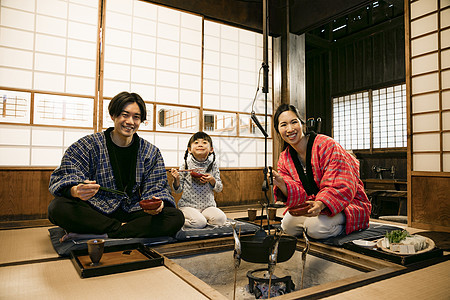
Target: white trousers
[[320, 227], [196, 218]]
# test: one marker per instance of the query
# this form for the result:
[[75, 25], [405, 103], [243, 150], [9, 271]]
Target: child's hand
[[175, 173], [208, 178], [176, 177]]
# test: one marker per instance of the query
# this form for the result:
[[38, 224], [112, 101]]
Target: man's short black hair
[[119, 101]]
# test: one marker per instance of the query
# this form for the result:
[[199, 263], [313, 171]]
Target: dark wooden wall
[[318, 100], [24, 194], [370, 59], [369, 62], [430, 208]]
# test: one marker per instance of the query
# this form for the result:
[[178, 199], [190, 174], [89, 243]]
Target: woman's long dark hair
[[204, 136], [276, 117]]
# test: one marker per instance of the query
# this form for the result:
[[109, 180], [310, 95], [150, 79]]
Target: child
[[197, 202]]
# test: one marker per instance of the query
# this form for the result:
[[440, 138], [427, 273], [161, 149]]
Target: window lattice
[[15, 107], [63, 110], [389, 117], [170, 118], [351, 120], [220, 123]]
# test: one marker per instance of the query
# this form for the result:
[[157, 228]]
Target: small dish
[[150, 204], [197, 175], [299, 210], [364, 243]]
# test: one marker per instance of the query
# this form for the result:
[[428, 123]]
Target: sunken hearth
[[216, 269]]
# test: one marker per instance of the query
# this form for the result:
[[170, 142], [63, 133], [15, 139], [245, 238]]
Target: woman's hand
[[316, 208], [279, 182], [155, 211], [85, 190]]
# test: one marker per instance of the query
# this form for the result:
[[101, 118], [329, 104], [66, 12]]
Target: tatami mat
[[19, 245], [59, 280], [30, 268], [428, 283]]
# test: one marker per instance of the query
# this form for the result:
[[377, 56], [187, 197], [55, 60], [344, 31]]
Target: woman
[[316, 170]]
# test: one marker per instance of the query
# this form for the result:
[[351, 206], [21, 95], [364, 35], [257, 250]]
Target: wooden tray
[[396, 257], [257, 221], [116, 259]]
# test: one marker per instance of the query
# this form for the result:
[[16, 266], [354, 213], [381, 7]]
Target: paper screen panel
[[219, 123], [247, 126], [425, 103], [427, 162], [227, 151], [232, 62], [153, 51], [14, 156], [172, 118], [63, 110], [15, 107]]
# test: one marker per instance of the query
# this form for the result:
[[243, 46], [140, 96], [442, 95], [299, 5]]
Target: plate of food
[[364, 243], [403, 243]]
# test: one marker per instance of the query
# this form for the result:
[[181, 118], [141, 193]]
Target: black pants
[[78, 216]]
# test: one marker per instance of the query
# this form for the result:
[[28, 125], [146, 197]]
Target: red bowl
[[197, 175], [150, 204], [300, 210]]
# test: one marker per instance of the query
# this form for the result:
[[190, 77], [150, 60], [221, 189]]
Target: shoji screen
[[430, 85], [156, 52], [232, 73], [189, 71], [47, 77]]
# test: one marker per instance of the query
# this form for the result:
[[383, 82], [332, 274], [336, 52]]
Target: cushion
[[64, 248], [185, 234], [210, 231], [375, 230]]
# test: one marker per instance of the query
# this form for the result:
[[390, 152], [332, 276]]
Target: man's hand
[[85, 190], [155, 211]]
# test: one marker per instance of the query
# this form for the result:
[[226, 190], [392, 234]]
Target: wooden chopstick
[[188, 170], [108, 190]]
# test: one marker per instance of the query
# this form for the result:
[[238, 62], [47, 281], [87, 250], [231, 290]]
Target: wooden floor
[[30, 268]]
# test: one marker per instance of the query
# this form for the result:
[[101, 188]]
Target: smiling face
[[126, 124], [290, 128], [200, 149]]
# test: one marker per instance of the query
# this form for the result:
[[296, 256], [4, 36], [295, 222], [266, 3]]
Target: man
[[103, 176]]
